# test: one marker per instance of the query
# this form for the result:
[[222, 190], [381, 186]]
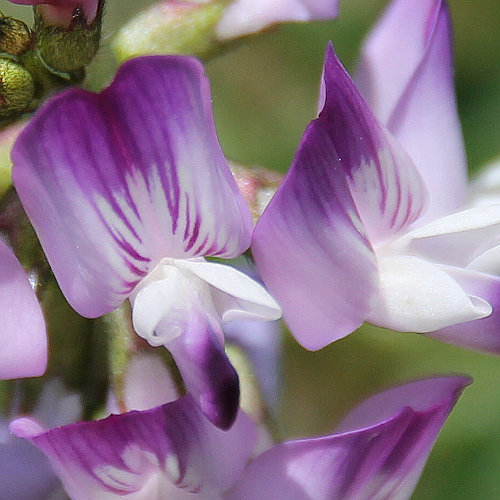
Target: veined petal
[[406, 75], [482, 334], [243, 17], [311, 249], [145, 455], [206, 371], [384, 183], [144, 179], [380, 457], [235, 295], [23, 341], [456, 239], [417, 296]]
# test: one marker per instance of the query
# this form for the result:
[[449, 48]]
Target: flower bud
[[64, 49], [171, 27], [15, 36], [16, 88]]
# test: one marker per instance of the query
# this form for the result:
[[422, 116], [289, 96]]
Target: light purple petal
[[25, 473], [137, 177], [481, 334], [406, 75], [311, 249], [385, 185], [148, 383], [23, 340], [206, 370], [262, 343], [243, 17], [379, 457], [172, 448]]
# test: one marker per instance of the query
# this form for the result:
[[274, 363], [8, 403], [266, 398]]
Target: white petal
[[235, 295], [417, 296], [155, 302], [457, 238]]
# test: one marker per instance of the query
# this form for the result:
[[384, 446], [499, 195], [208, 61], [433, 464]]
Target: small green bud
[[172, 28], [15, 36], [64, 49], [16, 88]]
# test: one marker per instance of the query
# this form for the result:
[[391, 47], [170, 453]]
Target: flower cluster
[[141, 222]]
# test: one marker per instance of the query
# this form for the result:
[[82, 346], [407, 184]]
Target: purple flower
[[128, 190], [365, 226], [173, 452]]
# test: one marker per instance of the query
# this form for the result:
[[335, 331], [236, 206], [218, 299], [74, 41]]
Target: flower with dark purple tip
[[173, 452], [363, 227], [128, 199]]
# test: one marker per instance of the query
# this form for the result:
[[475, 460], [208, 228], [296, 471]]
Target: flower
[[347, 238], [172, 451], [61, 12], [129, 199]]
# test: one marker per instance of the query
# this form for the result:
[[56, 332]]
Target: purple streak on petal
[[385, 185], [407, 77], [380, 457], [481, 334], [23, 340], [311, 249], [206, 370], [121, 185], [122, 454]]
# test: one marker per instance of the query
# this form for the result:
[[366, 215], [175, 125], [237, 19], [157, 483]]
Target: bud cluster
[[53, 54]]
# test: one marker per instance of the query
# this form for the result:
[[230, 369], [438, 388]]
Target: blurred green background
[[264, 94]]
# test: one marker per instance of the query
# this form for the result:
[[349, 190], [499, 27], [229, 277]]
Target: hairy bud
[[16, 88]]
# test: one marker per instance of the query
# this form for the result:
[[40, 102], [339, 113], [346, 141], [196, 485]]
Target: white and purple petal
[[145, 455], [235, 295], [416, 295], [206, 371], [243, 17], [406, 75], [311, 248], [378, 454], [384, 183], [23, 340], [456, 239], [138, 177], [482, 334]]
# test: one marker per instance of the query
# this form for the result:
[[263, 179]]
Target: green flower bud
[[16, 88], [172, 28], [64, 49], [15, 36]]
